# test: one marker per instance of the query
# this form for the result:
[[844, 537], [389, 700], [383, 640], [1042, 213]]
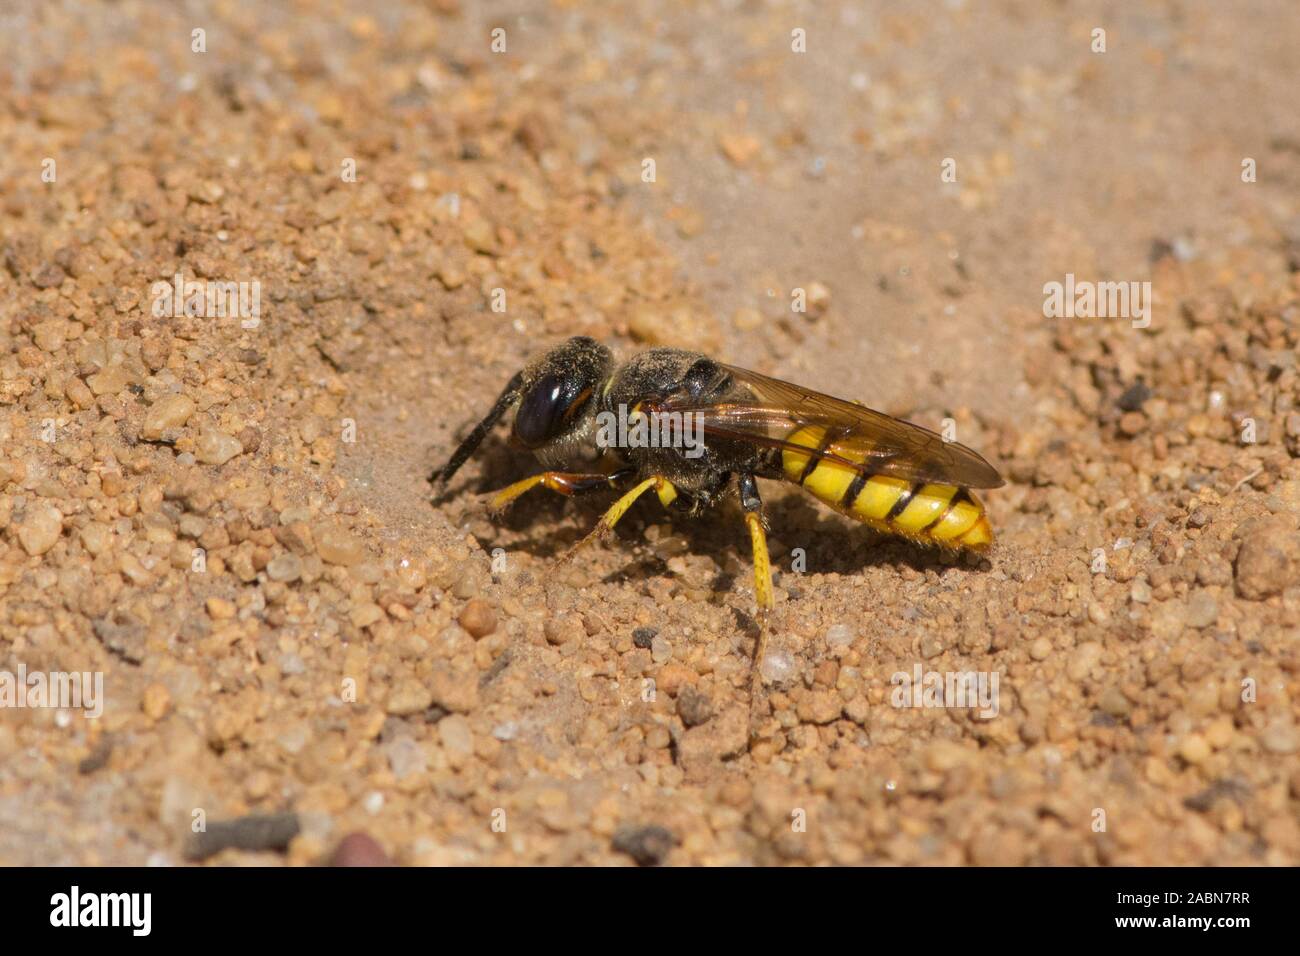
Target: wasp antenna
[[507, 398]]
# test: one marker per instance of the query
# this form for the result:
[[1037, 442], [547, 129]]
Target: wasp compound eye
[[547, 408]]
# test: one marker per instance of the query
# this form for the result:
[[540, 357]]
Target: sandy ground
[[233, 525]]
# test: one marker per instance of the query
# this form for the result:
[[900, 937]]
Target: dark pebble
[[271, 831], [48, 276], [648, 845], [693, 707], [1134, 396], [98, 757], [1204, 801]]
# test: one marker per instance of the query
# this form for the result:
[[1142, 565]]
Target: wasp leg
[[752, 505], [565, 482], [667, 494], [753, 508]]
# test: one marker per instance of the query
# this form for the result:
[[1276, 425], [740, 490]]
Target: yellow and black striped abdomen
[[945, 515]]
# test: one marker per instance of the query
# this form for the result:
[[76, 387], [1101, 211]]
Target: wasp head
[[558, 391]]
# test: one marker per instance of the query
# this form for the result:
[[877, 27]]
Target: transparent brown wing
[[855, 436]]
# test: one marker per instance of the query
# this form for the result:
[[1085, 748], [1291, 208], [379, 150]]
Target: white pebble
[[660, 650], [839, 635], [777, 667]]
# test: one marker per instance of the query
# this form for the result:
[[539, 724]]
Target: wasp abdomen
[[946, 515]]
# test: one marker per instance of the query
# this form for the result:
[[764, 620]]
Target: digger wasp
[[889, 474]]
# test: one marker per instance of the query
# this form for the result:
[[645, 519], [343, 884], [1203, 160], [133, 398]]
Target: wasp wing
[[857, 437]]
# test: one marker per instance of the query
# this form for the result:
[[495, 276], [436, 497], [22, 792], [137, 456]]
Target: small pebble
[[155, 701], [1280, 738], [167, 415], [478, 617], [1268, 561], [456, 736], [660, 650], [839, 637], [777, 667], [254, 832], [945, 755], [932, 646], [561, 630], [409, 697], [648, 845], [1085, 657], [216, 448], [360, 849], [1132, 423], [219, 609], [336, 546], [405, 757], [693, 707], [40, 528], [286, 567], [1114, 702], [1202, 610], [365, 613], [819, 707], [1194, 748]]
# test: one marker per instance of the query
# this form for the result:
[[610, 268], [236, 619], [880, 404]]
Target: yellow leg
[[762, 563], [762, 586], [564, 482], [620, 507], [611, 517], [506, 496]]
